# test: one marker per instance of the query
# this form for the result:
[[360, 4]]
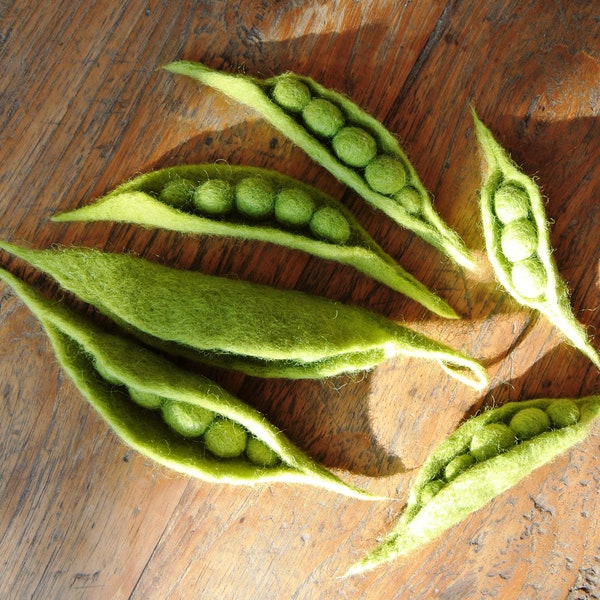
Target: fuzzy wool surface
[[535, 281], [472, 488], [269, 98], [81, 346], [288, 333], [138, 201]]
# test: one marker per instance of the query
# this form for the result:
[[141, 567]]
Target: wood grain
[[84, 106]]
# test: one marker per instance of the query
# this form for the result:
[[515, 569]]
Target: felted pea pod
[[352, 145], [518, 242], [257, 329], [150, 403], [254, 204], [484, 457]]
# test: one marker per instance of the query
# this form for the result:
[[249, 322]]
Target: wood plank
[[84, 106]]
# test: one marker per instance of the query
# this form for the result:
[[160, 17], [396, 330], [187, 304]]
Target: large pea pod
[[518, 243], [352, 145], [175, 417], [257, 329], [254, 204], [484, 457]]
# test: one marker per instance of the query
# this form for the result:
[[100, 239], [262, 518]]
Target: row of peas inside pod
[[500, 435], [258, 198], [354, 145], [221, 436]]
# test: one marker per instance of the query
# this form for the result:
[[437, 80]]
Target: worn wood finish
[[83, 107]]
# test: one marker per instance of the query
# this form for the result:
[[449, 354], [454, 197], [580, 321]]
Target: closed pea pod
[[452, 483], [257, 204], [90, 354], [344, 139], [518, 242], [257, 329]]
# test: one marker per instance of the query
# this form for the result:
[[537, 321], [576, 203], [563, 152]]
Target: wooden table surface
[[84, 106]]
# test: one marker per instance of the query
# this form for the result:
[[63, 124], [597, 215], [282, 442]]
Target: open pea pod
[[352, 145], [254, 328], [518, 244], [254, 204], [484, 457], [177, 418]]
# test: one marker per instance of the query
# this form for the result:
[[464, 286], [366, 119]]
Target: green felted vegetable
[[82, 346], [290, 204], [236, 324], [343, 149], [518, 241], [449, 487]]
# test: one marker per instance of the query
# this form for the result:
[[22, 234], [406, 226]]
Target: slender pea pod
[[257, 329], [518, 242], [484, 457], [352, 145], [256, 204], [177, 418]]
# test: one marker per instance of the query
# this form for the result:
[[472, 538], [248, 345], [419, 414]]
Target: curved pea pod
[[224, 200], [518, 242], [257, 329], [484, 457], [352, 145], [122, 379]]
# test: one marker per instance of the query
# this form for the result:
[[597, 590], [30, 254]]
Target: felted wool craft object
[[484, 457], [352, 145], [149, 402], [518, 242], [236, 324], [254, 204]]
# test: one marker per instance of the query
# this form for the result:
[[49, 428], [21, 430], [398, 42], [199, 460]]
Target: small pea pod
[[257, 329], [177, 418], [518, 242], [256, 204], [353, 146], [484, 457]]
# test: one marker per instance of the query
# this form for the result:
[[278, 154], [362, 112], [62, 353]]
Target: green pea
[[255, 197], [294, 207], [457, 465], [146, 399], [563, 413], [178, 193], [529, 422], [214, 197], [385, 174], [291, 94], [491, 440], [354, 146], [518, 240], [225, 438], [329, 224], [410, 199], [323, 117], [528, 277], [260, 453], [511, 203], [186, 419]]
